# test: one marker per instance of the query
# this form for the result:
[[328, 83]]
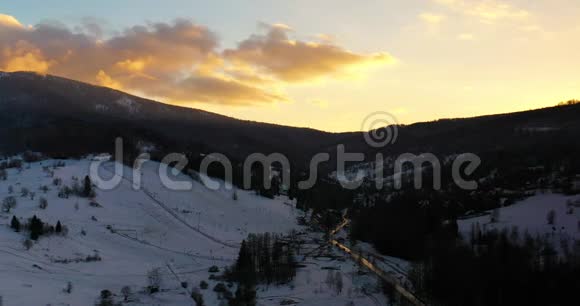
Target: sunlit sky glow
[[324, 64]]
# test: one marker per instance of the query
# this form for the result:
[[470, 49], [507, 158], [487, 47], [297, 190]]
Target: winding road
[[408, 295]]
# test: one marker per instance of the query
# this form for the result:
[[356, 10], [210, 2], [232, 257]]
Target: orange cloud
[[179, 62], [296, 61], [215, 89], [23, 56], [104, 79], [9, 21]]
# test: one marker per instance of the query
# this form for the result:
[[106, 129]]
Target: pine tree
[[15, 224], [106, 298], [245, 296], [277, 252], [88, 187], [338, 283], [244, 268], [35, 227], [58, 228]]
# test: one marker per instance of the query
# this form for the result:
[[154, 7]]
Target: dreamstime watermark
[[381, 129]]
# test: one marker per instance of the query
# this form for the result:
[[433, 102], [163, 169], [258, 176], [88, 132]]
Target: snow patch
[[129, 104], [101, 108]]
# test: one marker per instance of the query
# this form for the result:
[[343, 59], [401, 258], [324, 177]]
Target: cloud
[[299, 61], [213, 90], [161, 60], [431, 18], [24, 56], [178, 62], [487, 11], [9, 21]]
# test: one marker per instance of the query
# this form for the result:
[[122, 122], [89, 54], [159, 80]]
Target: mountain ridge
[[44, 113]]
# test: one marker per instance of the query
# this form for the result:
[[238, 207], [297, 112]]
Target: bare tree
[[27, 244], [126, 292], [338, 282], [8, 203], [330, 279], [569, 207], [154, 279], [42, 203]]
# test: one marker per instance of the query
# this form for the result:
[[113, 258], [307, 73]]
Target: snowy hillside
[[531, 215], [115, 239]]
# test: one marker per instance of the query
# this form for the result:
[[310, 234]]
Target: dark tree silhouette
[[15, 224]]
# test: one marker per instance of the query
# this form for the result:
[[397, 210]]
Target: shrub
[[42, 203], [27, 244], [203, 285], [44, 188], [197, 298], [24, 192], [220, 288]]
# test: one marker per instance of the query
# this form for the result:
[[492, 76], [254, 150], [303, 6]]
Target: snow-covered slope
[[134, 231], [531, 215]]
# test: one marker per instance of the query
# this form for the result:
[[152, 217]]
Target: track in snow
[[175, 216]]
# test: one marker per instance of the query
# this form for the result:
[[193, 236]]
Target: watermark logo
[[380, 129]]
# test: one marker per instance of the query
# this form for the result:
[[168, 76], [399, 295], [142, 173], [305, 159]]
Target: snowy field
[[531, 215], [134, 231]]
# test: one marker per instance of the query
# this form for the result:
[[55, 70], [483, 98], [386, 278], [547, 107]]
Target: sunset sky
[[324, 64]]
